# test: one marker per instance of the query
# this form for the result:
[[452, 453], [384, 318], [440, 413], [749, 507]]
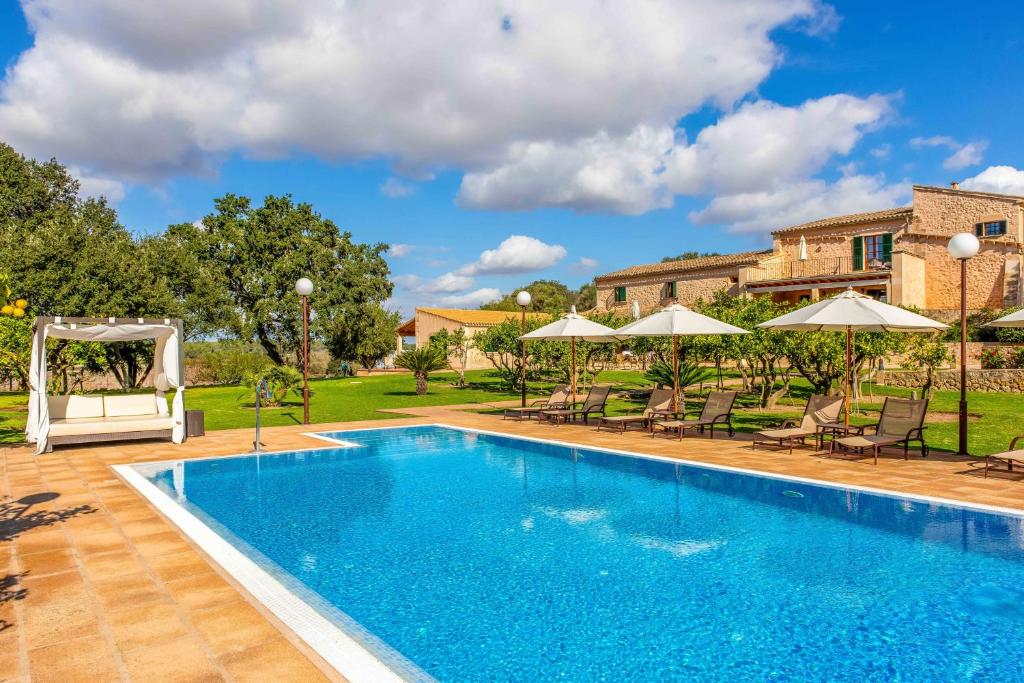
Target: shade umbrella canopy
[[676, 321], [1012, 320], [571, 327], [852, 312]]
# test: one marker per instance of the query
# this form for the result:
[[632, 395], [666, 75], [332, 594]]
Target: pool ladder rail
[[262, 391]]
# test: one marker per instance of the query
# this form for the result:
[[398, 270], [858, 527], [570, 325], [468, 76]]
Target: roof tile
[[851, 219], [718, 261]]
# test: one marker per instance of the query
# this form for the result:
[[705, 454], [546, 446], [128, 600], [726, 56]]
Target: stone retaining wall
[[1011, 381]]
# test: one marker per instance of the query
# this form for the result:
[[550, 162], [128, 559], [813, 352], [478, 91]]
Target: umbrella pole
[[675, 373], [849, 340], [573, 346]]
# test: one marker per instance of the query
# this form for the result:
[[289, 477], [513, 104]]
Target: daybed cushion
[[110, 425], [75, 407], [123, 405]]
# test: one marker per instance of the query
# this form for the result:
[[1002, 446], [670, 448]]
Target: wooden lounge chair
[[717, 410], [597, 397], [659, 402], [559, 398], [820, 410], [901, 422], [1009, 456]]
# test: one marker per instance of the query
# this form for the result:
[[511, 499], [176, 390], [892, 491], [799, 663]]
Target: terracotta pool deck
[[98, 586]]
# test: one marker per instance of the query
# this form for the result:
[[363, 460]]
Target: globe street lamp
[[304, 287], [963, 246], [523, 298]]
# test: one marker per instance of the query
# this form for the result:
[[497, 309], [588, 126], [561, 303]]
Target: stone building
[[429, 321], [897, 255]]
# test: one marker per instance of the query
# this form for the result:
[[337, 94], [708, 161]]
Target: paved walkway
[[98, 586]]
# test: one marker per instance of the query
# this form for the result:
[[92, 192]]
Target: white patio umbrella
[[572, 327], [852, 312], [676, 321], [1011, 320]]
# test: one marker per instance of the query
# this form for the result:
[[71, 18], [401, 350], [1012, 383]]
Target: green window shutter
[[887, 247], [670, 290], [858, 253], [620, 294]]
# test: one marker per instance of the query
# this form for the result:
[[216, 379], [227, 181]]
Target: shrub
[[280, 380], [993, 359], [226, 362]]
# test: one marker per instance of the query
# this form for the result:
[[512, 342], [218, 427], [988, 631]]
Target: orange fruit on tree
[[21, 303], [7, 309], [19, 313]]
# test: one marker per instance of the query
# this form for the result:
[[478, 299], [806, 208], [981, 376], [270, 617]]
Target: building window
[[990, 229], [620, 295], [872, 251], [670, 290]]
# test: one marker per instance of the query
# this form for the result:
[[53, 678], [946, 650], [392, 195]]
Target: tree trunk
[[421, 383]]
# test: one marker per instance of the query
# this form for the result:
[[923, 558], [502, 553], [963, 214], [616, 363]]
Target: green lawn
[[995, 419]]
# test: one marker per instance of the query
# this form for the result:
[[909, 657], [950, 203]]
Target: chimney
[[955, 185]]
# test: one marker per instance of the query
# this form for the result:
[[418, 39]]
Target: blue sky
[[534, 127]]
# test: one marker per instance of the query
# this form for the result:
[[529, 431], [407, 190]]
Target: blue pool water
[[486, 558]]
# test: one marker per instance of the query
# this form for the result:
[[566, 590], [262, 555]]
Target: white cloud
[[396, 189], [449, 282], [596, 173], [399, 250], [584, 265], [964, 155], [95, 186], [968, 155], [798, 202], [883, 151], [476, 298], [760, 144], [146, 91], [999, 179], [517, 254]]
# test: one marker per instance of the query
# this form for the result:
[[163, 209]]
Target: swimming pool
[[470, 556]]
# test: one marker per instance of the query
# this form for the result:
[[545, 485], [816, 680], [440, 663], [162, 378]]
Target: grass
[[995, 417]]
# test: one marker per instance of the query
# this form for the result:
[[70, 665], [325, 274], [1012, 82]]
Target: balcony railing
[[819, 267]]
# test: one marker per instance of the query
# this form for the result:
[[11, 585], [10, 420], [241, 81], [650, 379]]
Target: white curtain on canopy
[[168, 367]]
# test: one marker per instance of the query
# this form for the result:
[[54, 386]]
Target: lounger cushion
[[1010, 455], [788, 433], [868, 441], [625, 418], [75, 407], [676, 424], [109, 425], [124, 405]]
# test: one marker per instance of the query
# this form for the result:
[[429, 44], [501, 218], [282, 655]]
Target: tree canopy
[[548, 296]]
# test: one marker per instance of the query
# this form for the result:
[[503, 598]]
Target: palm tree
[[420, 362], [690, 373]]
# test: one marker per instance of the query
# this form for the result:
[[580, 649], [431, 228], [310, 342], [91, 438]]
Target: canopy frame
[[168, 363]]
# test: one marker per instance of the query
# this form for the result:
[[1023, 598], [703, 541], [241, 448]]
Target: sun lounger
[[901, 422], [1009, 456], [659, 402], [597, 397], [717, 410], [820, 410], [559, 398]]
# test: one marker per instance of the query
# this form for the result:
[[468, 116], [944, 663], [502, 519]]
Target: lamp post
[[304, 287], [523, 298], [963, 246]]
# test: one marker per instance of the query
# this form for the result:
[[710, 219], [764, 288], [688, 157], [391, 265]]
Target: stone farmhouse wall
[[830, 242], [651, 291], [1010, 381]]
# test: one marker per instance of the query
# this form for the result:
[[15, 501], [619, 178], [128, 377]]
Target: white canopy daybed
[[54, 420]]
